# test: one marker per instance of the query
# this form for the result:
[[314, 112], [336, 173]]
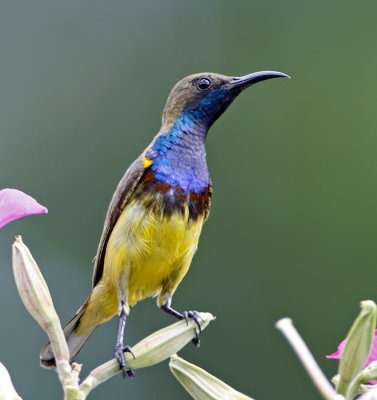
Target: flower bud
[[164, 343], [36, 297], [357, 347], [200, 384], [31, 285]]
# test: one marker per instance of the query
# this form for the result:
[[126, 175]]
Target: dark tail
[[75, 342]]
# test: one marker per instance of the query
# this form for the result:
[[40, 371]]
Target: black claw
[[186, 315], [128, 349], [196, 340], [130, 373], [196, 317], [119, 355]]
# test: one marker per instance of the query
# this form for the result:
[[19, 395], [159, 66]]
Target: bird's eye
[[204, 83]]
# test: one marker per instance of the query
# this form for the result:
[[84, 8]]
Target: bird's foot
[[119, 355], [186, 315], [196, 317]]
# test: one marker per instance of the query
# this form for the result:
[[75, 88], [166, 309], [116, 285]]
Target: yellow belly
[[147, 255]]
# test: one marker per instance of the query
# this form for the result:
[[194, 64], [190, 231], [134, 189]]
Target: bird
[[155, 218]]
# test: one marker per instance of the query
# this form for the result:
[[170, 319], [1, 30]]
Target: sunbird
[[152, 226]]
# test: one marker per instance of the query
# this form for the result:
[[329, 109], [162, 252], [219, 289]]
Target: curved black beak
[[243, 82]]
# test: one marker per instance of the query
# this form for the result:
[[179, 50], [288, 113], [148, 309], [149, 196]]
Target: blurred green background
[[293, 228]]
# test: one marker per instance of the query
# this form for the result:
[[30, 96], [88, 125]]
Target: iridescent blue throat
[[179, 157]]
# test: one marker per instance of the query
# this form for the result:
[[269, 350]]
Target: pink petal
[[373, 351], [15, 204], [338, 354], [372, 355]]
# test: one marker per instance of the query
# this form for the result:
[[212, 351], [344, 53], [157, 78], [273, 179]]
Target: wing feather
[[121, 196]]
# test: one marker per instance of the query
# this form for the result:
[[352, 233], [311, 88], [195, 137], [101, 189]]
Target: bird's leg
[[119, 347], [185, 315]]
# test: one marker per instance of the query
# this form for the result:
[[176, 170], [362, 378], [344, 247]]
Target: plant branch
[[319, 379]]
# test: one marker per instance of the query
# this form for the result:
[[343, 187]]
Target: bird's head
[[205, 96]]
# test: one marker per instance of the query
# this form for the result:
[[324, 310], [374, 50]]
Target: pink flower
[[372, 355], [15, 204]]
